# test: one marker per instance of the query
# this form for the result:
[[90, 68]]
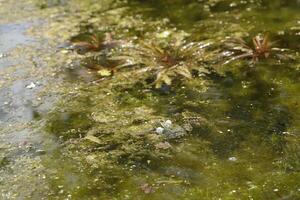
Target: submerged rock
[[170, 130]]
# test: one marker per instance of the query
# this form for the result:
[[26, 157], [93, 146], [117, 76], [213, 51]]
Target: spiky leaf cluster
[[165, 62]]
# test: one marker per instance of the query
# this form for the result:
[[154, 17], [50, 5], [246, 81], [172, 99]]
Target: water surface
[[97, 139]]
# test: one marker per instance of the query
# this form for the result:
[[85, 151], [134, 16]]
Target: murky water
[[75, 125]]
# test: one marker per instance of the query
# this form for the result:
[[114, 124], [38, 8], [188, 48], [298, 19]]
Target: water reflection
[[11, 35]]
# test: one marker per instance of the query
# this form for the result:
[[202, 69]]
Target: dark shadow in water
[[254, 109], [183, 13], [62, 124], [242, 103]]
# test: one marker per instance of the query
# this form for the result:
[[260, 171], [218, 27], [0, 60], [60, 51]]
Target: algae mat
[[132, 99]]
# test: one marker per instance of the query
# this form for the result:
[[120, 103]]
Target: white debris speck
[[164, 34], [227, 53], [159, 130], [64, 51], [233, 5], [233, 159], [31, 85], [276, 190]]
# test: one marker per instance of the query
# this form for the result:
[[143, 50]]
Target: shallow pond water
[[87, 128]]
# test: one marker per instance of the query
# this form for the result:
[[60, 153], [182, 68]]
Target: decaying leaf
[[93, 139]]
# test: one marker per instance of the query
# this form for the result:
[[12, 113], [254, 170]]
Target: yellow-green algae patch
[[98, 135]]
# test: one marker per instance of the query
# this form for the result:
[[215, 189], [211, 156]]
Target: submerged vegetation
[[96, 42], [173, 59], [160, 62], [166, 62], [262, 49]]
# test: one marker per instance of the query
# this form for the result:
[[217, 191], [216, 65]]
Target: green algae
[[244, 120]]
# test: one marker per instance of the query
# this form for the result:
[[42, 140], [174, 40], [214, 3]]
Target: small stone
[[233, 159], [159, 130], [167, 124], [31, 85], [64, 51]]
